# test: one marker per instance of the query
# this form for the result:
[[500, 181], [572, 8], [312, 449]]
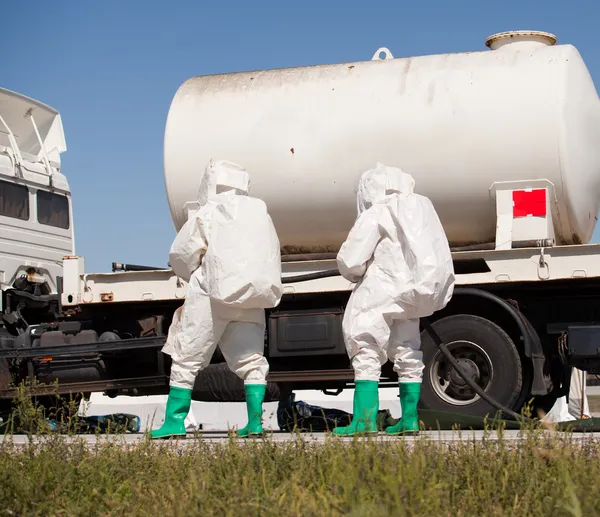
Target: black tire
[[486, 351]]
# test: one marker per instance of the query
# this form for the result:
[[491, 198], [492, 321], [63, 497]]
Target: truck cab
[[36, 221]]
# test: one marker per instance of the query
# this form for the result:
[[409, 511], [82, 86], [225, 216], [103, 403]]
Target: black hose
[[436, 339], [117, 266], [310, 276], [444, 349]]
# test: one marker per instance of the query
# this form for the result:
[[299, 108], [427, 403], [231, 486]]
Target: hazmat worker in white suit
[[229, 254], [398, 256]]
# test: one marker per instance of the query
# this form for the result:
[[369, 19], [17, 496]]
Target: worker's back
[[242, 265], [414, 253]]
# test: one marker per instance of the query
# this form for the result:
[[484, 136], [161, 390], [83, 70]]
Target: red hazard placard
[[529, 203]]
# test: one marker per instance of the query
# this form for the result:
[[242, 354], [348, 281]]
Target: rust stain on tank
[[301, 250], [431, 93], [404, 78]]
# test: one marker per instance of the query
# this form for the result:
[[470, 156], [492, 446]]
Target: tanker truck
[[504, 141]]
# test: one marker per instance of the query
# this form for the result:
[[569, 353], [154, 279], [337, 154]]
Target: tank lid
[[530, 38]]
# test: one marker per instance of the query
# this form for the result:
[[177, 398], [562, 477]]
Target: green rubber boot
[[364, 413], [255, 395], [178, 406], [409, 398]]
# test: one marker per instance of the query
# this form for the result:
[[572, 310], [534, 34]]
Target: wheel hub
[[447, 381], [469, 368]]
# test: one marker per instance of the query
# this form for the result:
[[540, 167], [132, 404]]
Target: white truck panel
[[511, 266], [17, 111], [80, 288]]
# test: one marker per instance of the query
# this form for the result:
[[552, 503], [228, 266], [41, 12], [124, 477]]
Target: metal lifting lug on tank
[[503, 141]]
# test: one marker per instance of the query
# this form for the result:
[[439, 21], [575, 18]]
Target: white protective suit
[[229, 253], [399, 257]]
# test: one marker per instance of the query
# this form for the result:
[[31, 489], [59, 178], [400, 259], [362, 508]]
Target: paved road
[[222, 437]]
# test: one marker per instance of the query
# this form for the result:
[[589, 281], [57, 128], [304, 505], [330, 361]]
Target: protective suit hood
[[221, 180], [375, 184], [220, 177]]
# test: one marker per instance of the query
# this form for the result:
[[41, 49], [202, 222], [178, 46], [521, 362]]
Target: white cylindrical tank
[[459, 123]]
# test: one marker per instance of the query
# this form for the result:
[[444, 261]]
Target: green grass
[[543, 475], [539, 476]]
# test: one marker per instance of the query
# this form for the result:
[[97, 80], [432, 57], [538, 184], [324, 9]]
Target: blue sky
[[112, 67]]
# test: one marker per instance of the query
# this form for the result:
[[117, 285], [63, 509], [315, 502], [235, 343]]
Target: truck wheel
[[482, 349]]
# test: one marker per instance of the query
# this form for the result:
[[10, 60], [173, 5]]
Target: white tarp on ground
[[220, 416], [213, 416]]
